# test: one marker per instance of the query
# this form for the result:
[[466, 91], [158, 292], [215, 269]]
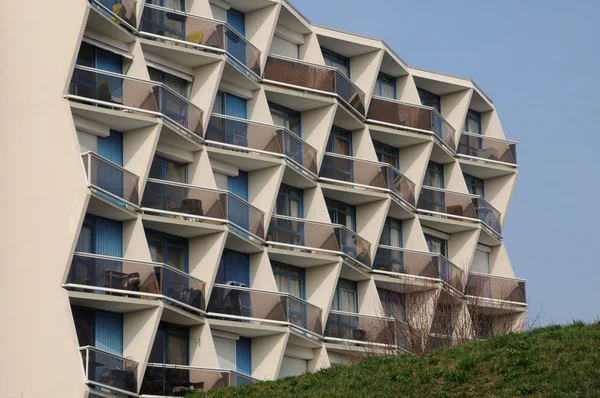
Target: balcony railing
[[110, 179], [421, 264], [190, 202], [130, 278], [178, 380], [307, 236], [192, 31], [122, 12], [114, 90], [364, 173], [487, 148], [416, 117], [108, 371], [264, 307], [315, 77], [262, 137], [459, 206], [353, 328], [496, 288]]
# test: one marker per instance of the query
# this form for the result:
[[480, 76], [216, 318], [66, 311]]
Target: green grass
[[554, 361]]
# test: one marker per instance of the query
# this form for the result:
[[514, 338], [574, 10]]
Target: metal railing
[[264, 307], [262, 137], [496, 287], [114, 90], [110, 179], [121, 12], [306, 235], [178, 380], [488, 148], [202, 204], [139, 279], [315, 77], [365, 173], [416, 117], [108, 371], [353, 328], [192, 31], [459, 206], [422, 264]]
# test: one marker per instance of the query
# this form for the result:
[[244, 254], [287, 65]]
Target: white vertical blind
[[225, 352], [87, 142], [221, 180]]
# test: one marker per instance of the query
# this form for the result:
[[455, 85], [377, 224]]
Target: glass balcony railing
[[422, 264], [413, 116], [192, 31], [110, 179], [496, 287], [190, 202], [488, 148], [365, 173], [122, 12], [179, 380], [130, 278], [315, 77], [113, 90], [305, 235], [109, 371], [262, 137], [349, 328], [264, 307], [459, 206]]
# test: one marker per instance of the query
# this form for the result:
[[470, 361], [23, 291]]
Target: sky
[[539, 61]]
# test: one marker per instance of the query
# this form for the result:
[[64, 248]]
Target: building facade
[[223, 192]]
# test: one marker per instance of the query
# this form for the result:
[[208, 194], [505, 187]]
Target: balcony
[[264, 307], [419, 118], [192, 203], [308, 236], [116, 91], [357, 329], [178, 380], [111, 180], [120, 277], [459, 206], [367, 174], [121, 12], [315, 77], [234, 132], [421, 264], [479, 147], [109, 372], [486, 286], [202, 34]]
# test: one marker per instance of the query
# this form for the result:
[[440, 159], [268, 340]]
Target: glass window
[[473, 122], [337, 61], [387, 154], [289, 201], [392, 233], [85, 243], [168, 249], [289, 279], [474, 185], [434, 175], [285, 117], [340, 141], [86, 55], [85, 320], [437, 245], [393, 304], [430, 99], [385, 86], [342, 213], [346, 296], [165, 169], [171, 345]]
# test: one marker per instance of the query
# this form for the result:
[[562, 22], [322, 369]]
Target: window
[[165, 169], [474, 185], [442, 320], [437, 245], [342, 213], [289, 279], [281, 46], [337, 61], [430, 99], [95, 85], [434, 175], [171, 345], [171, 105], [387, 154], [167, 24], [393, 304], [289, 201], [473, 122], [481, 260], [385, 86], [228, 130], [392, 233], [346, 296], [431, 199], [340, 141], [285, 117], [168, 249]]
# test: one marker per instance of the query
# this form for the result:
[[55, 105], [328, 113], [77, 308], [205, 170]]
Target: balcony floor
[[119, 120], [297, 99], [112, 303], [353, 196], [245, 329], [482, 169], [243, 160], [301, 259], [398, 137], [447, 225], [183, 228], [189, 57], [103, 207], [104, 24]]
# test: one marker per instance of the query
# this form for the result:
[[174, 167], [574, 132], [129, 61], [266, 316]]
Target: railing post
[[87, 362], [89, 170]]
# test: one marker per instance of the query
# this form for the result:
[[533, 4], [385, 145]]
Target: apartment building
[[211, 193]]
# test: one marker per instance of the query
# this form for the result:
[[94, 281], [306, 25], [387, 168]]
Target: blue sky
[[540, 63]]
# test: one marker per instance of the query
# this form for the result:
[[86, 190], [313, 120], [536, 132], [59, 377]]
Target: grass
[[555, 361]]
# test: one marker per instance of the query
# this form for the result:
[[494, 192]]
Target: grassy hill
[[555, 361]]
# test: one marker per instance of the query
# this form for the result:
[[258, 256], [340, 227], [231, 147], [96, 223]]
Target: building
[[219, 192]]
